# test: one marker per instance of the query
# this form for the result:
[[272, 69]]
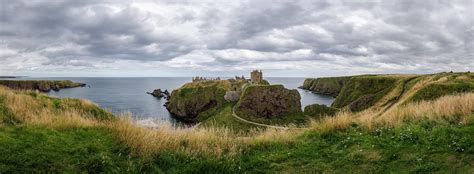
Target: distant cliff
[[381, 91], [41, 85], [326, 85]]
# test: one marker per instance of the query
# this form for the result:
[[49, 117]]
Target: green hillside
[[418, 124]]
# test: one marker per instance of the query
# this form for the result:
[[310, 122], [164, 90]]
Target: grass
[[32, 149], [54, 135], [360, 93], [382, 91], [456, 109], [424, 147], [196, 101], [224, 119], [42, 85], [436, 90], [325, 85], [318, 111]]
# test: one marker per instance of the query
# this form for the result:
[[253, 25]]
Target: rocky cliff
[[326, 85], [270, 104], [41, 85], [382, 91], [193, 99]]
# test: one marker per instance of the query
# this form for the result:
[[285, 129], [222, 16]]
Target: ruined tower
[[256, 76]]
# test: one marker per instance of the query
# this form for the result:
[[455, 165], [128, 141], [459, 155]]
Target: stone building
[[256, 76]]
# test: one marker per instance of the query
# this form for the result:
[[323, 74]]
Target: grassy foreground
[[40, 133]]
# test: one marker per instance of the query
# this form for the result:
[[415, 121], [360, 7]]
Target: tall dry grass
[[148, 142], [28, 107], [453, 108], [458, 107]]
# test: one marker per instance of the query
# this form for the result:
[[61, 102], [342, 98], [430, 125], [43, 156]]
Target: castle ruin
[[198, 79], [256, 76]]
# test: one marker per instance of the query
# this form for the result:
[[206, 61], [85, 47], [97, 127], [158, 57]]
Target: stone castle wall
[[256, 76]]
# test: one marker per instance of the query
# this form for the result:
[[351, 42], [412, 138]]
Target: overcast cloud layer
[[284, 38]]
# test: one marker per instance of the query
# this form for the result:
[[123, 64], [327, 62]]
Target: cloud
[[207, 37]]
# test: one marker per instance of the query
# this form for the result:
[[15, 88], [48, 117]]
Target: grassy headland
[[406, 135], [361, 92], [41, 85]]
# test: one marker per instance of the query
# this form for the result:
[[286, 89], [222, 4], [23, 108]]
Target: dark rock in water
[[156, 93], [167, 94], [55, 88], [273, 101]]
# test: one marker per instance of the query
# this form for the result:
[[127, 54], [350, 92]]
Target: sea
[[129, 94]]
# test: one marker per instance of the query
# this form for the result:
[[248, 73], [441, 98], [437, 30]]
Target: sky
[[291, 38]]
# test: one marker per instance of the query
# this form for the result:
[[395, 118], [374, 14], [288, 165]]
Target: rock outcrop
[[40, 85], [160, 94], [269, 102], [232, 96], [381, 91], [326, 85], [193, 99]]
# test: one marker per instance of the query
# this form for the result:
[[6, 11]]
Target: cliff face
[[41, 85], [327, 85], [193, 99], [382, 91], [270, 103]]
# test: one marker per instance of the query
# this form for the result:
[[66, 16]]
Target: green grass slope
[[446, 84], [363, 91], [435, 145], [223, 118], [32, 149], [424, 147]]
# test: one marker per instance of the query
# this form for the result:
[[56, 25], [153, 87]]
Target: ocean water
[[122, 95]]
